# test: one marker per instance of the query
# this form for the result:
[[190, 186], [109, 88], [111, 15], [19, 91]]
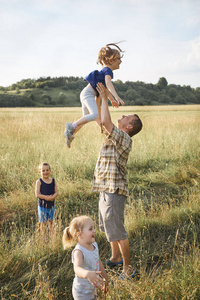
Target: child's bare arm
[[112, 100], [112, 90], [44, 197], [104, 275], [37, 191]]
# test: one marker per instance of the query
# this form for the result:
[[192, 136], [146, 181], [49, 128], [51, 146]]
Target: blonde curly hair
[[70, 233], [107, 54]]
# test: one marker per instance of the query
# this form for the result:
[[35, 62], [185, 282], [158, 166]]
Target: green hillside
[[65, 91]]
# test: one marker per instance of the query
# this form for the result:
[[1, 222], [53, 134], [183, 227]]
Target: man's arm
[[105, 113], [98, 102]]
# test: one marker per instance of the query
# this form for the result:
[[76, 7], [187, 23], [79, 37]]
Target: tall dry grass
[[162, 212]]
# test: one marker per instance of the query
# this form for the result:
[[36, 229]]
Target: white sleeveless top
[[91, 263]]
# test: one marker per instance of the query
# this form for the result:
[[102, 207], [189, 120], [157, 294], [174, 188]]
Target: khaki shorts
[[111, 215]]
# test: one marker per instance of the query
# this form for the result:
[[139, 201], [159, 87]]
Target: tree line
[[65, 91]]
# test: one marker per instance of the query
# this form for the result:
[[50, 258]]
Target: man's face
[[125, 121]]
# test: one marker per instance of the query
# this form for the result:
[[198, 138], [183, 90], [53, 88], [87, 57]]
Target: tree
[[62, 98], [162, 83], [179, 100], [130, 94], [172, 92]]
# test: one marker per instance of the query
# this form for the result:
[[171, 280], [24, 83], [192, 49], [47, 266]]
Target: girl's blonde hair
[[44, 164], [70, 233], [106, 54]]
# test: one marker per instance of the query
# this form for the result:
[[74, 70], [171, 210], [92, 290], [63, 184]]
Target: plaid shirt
[[110, 170]]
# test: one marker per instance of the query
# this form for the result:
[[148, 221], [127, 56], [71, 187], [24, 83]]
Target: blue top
[[98, 76], [47, 189]]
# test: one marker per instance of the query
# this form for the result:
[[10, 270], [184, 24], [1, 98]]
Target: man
[[110, 181]]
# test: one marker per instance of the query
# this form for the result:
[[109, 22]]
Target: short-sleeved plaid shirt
[[110, 170]]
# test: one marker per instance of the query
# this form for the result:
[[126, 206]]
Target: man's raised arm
[[105, 113]]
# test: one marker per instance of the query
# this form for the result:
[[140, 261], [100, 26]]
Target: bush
[[7, 100]]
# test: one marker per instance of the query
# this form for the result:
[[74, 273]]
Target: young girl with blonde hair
[[110, 59], [89, 271]]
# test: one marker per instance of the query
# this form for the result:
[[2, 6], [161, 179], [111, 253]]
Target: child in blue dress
[[46, 191], [110, 59], [85, 258]]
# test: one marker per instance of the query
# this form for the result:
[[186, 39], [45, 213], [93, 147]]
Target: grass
[[162, 212]]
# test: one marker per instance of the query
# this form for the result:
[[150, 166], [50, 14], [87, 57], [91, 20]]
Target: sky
[[41, 38]]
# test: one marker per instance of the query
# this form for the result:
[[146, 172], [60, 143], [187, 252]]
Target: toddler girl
[[85, 258]]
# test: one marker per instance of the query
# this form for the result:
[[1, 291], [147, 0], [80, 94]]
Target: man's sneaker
[[69, 130], [69, 140]]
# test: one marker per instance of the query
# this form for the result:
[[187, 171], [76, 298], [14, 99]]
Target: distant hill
[[65, 91]]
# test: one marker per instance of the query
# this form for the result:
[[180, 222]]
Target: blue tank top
[[98, 76], [47, 189]]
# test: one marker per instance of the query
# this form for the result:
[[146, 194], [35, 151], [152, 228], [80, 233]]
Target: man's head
[[131, 124]]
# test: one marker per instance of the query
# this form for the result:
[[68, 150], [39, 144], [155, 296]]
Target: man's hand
[[103, 92]]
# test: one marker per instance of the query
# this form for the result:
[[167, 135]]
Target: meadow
[[162, 211]]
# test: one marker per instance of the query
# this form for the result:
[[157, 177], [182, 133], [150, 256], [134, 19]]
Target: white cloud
[[193, 59], [189, 58]]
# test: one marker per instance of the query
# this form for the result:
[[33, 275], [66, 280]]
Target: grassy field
[[162, 212]]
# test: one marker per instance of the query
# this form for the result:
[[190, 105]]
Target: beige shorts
[[111, 216]]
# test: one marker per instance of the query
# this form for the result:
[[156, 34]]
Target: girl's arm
[[112, 100], [92, 276], [37, 191], [104, 275], [111, 89]]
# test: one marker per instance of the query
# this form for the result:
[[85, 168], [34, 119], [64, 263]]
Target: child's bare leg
[[42, 227], [82, 121], [43, 230], [50, 227], [77, 129]]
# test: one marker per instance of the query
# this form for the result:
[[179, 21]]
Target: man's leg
[[115, 256], [122, 247], [111, 221], [125, 251]]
